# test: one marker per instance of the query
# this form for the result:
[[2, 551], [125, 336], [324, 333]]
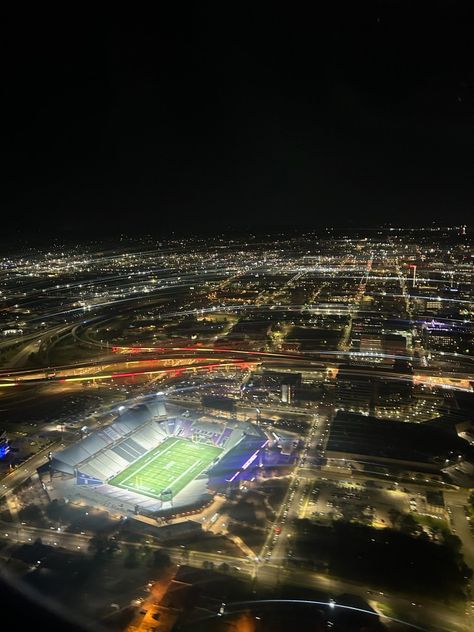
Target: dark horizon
[[358, 117]]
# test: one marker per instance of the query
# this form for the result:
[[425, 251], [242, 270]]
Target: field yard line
[[133, 488], [149, 462], [189, 468]]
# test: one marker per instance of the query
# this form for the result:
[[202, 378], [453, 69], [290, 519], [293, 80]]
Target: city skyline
[[195, 423]]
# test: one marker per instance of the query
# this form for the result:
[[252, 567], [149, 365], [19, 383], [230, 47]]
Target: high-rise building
[[288, 386]]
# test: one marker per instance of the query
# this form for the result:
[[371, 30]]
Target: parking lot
[[373, 505]]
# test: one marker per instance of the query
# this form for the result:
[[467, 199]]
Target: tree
[[32, 514], [98, 544], [208, 565], [161, 562], [436, 532], [101, 544], [54, 510], [131, 560], [160, 558], [453, 541], [395, 517], [409, 525]]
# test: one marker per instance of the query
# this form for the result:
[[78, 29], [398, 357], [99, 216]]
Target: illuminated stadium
[[155, 456]]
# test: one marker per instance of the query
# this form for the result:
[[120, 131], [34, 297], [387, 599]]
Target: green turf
[[170, 466]]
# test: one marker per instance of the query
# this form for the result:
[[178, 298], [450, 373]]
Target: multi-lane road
[[431, 615]]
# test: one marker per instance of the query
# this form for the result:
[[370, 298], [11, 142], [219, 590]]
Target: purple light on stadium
[[247, 463], [250, 460], [441, 326]]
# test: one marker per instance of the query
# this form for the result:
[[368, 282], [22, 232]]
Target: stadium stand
[[94, 461], [107, 451]]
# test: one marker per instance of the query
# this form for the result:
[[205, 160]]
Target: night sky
[[204, 120]]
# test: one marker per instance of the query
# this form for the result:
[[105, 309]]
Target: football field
[[170, 466]]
